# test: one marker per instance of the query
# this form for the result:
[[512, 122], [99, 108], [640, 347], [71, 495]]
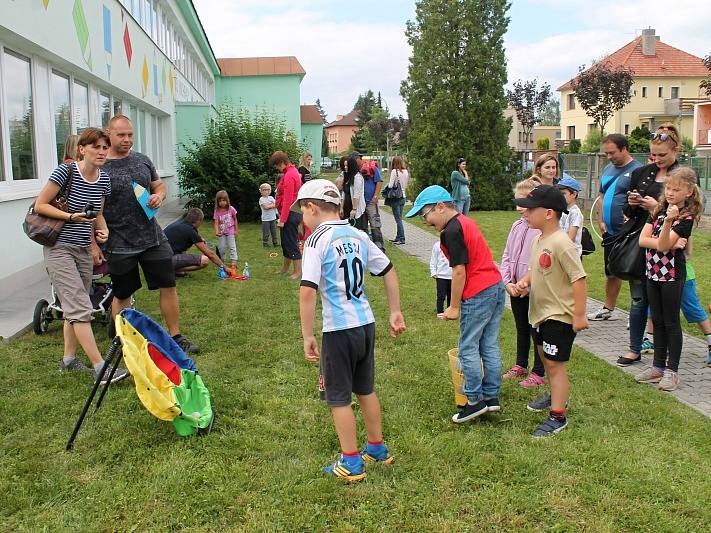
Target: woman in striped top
[[69, 262]]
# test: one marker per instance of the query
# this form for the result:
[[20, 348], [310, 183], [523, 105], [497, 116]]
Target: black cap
[[546, 196], [356, 155]]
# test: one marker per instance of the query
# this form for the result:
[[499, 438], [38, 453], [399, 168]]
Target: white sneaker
[[602, 314]]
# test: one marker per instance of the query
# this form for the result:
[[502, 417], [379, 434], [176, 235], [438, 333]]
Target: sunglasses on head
[[661, 136]]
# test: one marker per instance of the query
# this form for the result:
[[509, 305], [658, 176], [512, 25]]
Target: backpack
[[587, 242]]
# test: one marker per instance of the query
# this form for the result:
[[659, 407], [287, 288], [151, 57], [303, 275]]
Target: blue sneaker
[[350, 472], [708, 361], [377, 454], [647, 346], [549, 428]]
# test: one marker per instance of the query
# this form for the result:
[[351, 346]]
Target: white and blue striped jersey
[[335, 259]]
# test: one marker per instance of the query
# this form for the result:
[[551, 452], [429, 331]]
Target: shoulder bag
[[45, 230], [391, 194]]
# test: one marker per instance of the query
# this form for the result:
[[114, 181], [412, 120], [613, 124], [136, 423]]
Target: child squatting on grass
[[477, 299], [557, 282], [335, 260]]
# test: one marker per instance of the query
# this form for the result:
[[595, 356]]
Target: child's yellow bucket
[[457, 377]]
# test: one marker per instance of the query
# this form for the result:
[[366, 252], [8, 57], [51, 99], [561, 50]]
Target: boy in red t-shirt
[[477, 299]]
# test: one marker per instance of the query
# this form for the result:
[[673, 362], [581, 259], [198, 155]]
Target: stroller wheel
[[41, 317]]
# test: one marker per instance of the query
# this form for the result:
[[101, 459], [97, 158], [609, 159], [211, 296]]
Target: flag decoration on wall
[[127, 44], [145, 76], [82, 30], [108, 48], [167, 381]]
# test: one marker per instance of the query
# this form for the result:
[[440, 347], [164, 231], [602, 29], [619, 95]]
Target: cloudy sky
[[347, 47]]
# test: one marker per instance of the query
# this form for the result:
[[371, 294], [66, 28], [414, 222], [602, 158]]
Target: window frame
[[671, 92], [8, 184], [571, 101]]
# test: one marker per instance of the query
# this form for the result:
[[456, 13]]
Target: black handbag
[[45, 230], [626, 259], [392, 193]]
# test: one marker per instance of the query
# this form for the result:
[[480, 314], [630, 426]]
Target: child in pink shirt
[[226, 226]]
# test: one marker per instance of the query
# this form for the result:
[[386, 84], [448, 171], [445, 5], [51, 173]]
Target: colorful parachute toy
[[167, 381]]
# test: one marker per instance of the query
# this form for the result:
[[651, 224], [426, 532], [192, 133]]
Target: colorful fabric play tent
[[167, 382]]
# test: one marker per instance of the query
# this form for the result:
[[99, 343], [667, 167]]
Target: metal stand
[[113, 356]]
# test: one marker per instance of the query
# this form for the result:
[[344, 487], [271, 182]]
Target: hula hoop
[[592, 226]]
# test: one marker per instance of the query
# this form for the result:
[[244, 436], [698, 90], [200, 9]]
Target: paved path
[[606, 340]]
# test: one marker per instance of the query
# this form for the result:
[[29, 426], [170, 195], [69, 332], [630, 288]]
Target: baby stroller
[[100, 293]]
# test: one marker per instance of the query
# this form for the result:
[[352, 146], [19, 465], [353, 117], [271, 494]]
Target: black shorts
[[347, 364], [556, 338], [157, 266], [290, 236], [186, 260]]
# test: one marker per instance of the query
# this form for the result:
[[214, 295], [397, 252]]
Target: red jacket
[[287, 190]]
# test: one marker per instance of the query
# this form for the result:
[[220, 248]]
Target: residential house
[[517, 137], [665, 89], [340, 131], [702, 128], [312, 133]]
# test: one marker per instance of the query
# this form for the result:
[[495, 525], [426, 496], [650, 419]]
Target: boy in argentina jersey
[[336, 259]]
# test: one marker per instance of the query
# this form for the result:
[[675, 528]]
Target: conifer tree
[[455, 96]]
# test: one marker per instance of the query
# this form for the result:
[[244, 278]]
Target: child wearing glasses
[[477, 299]]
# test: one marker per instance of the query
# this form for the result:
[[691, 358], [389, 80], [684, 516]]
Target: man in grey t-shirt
[[135, 237]]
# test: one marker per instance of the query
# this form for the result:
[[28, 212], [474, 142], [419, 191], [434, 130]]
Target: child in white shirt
[[442, 273]]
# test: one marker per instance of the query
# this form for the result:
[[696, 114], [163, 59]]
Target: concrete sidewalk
[[18, 306], [606, 340]]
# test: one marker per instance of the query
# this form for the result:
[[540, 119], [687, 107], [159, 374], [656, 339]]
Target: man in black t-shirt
[[183, 234], [135, 237]]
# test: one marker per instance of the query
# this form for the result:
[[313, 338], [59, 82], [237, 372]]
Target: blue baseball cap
[[430, 195], [569, 183]]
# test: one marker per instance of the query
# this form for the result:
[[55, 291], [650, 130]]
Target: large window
[[81, 106], [571, 101], [674, 92], [18, 114], [142, 131], [62, 111], [117, 107], [105, 108]]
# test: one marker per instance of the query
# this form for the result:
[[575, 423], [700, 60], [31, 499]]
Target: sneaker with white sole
[[670, 381], [541, 403], [516, 371], [650, 375], [469, 412], [75, 365], [550, 427], [647, 346], [120, 374], [602, 314]]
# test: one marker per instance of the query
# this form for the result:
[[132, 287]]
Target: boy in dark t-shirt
[[477, 299]]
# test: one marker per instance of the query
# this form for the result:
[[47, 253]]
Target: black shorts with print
[[556, 338]]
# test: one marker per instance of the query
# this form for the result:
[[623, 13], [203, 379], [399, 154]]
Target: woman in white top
[[357, 190], [398, 175]]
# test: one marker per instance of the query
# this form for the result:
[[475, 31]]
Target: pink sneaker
[[515, 372], [532, 381], [440, 316]]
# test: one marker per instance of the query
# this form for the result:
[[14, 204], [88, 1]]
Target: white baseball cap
[[317, 190]]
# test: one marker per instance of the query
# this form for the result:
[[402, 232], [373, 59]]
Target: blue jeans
[[462, 206], [397, 208], [479, 321], [638, 314]]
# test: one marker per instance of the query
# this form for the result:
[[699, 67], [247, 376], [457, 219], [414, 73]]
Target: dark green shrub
[[233, 155]]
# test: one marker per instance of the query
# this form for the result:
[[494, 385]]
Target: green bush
[[573, 147], [639, 140], [687, 146], [592, 142], [543, 144], [233, 155]]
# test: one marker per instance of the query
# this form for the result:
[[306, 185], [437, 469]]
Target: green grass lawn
[[495, 226], [631, 459]]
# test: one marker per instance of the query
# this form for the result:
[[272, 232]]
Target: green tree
[[324, 135], [602, 90], [592, 142], [233, 154], [639, 140], [550, 116], [528, 101], [455, 96], [706, 84]]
